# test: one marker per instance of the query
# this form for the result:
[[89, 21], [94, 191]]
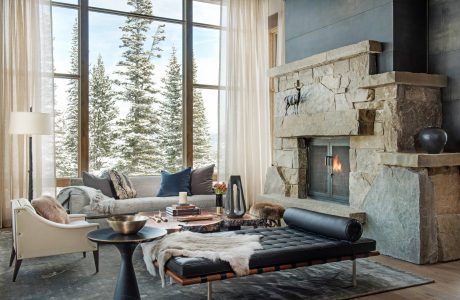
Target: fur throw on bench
[[236, 249]]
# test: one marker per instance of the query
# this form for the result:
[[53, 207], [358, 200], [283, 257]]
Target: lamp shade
[[35, 123]]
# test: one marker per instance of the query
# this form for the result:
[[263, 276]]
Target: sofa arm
[[73, 199]]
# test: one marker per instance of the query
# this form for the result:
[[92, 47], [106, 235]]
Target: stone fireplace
[[408, 201]]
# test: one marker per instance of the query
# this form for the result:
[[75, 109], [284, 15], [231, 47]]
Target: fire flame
[[336, 164]]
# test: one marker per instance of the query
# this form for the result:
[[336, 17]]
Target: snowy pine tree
[[67, 155], [201, 135], [170, 139], [102, 114], [140, 128]]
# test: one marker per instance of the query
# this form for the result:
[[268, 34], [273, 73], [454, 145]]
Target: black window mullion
[[83, 159]]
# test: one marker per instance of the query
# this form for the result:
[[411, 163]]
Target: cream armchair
[[35, 236]]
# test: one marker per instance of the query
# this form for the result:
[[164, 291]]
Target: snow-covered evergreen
[[170, 139], [102, 114], [201, 135], [139, 152]]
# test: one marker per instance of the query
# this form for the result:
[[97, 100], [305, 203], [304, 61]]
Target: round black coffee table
[[126, 283]]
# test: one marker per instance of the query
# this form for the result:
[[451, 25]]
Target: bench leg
[[354, 272], [209, 290]]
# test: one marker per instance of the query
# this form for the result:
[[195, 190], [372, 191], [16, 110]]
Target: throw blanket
[[236, 249], [98, 201]]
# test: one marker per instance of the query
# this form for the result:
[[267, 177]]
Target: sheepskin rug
[[236, 249]]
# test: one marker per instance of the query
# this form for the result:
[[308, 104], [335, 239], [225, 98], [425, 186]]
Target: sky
[[104, 39]]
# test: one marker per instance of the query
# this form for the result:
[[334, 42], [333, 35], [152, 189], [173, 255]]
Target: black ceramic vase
[[235, 205], [432, 139]]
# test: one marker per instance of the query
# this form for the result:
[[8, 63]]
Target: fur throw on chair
[[236, 249]]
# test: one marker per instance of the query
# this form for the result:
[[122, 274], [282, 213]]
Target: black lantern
[[235, 206]]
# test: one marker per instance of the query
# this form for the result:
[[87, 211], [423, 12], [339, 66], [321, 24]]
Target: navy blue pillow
[[173, 183]]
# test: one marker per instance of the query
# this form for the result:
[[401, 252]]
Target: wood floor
[[445, 275]]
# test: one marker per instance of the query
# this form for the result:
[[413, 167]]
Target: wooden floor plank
[[445, 275]]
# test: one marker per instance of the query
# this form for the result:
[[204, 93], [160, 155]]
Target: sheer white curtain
[[25, 80], [244, 121]]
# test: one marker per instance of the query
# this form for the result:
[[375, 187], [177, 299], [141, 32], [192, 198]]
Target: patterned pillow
[[122, 185], [50, 209]]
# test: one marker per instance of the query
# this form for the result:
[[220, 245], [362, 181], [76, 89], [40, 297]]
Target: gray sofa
[[77, 199]]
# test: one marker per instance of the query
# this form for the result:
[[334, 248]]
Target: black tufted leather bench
[[310, 238]]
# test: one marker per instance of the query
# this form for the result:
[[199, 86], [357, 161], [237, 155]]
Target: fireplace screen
[[329, 169]]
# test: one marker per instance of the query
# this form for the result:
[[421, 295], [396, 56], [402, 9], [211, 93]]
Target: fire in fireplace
[[329, 169]]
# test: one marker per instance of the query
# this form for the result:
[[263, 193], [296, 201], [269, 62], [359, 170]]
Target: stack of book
[[182, 210]]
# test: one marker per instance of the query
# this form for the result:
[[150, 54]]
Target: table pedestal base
[[126, 283]]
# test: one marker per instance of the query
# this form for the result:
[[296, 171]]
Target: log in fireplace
[[329, 169]]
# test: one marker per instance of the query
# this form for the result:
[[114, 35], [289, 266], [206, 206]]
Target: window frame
[[83, 76]]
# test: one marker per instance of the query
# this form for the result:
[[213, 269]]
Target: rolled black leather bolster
[[327, 225]]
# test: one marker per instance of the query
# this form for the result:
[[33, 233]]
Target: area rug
[[73, 277]]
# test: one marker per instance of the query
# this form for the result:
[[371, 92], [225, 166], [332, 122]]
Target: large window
[[136, 84]]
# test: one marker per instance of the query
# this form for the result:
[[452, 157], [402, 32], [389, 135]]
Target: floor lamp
[[30, 123]]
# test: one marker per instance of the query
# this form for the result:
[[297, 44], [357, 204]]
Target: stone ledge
[[407, 78], [327, 57], [334, 123], [315, 205], [420, 160]]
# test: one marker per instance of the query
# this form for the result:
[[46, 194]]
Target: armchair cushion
[[50, 209]]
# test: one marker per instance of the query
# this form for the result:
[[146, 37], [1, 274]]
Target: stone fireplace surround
[[409, 202]]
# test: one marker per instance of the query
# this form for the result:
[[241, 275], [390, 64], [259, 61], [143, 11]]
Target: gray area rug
[[73, 277]]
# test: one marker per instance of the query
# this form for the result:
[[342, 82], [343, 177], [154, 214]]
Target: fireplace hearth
[[329, 169]]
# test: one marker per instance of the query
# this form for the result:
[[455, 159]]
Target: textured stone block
[[368, 160], [277, 143], [446, 189], [406, 78], [323, 70], [360, 184], [378, 128], [294, 143], [342, 103], [369, 105], [420, 160], [399, 215], [448, 237], [284, 158], [386, 92], [402, 120], [351, 122], [331, 82], [306, 76], [369, 142], [341, 67], [274, 182]]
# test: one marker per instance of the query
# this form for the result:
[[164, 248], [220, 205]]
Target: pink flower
[[220, 188]]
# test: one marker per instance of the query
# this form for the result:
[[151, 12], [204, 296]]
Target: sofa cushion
[[50, 209], [147, 204], [104, 184], [146, 186], [173, 183], [201, 181]]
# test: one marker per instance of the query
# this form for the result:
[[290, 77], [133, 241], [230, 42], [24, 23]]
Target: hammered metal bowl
[[129, 224]]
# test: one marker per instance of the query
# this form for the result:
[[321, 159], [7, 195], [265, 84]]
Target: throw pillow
[[201, 181], [123, 187], [173, 183], [50, 209], [99, 183]]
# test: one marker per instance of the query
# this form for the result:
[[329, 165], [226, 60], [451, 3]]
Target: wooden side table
[[126, 287]]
